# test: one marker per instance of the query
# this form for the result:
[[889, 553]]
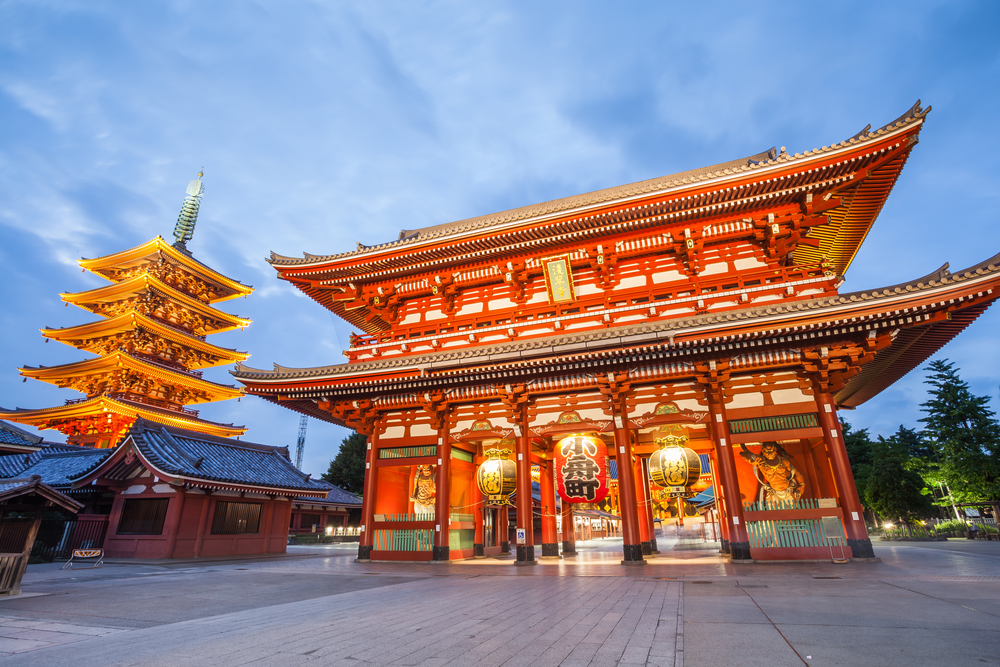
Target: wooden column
[[268, 521], [649, 506], [720, 505], [640, 501], [854, 521], [631, 541], [503, 528], [174, 520], [368, 501], [479, 510], [569, 530], [739, 542], [550, 544], [525, 519], [199, 538], [442, 504]]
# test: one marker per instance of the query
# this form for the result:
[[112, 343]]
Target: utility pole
[[301, 445]]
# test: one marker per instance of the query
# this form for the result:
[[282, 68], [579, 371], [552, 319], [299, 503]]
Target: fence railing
[[800, 504], [394, 539], [778, 423], [404, 517], [785, 534]]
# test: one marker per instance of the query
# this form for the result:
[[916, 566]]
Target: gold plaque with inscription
[[559, 279]]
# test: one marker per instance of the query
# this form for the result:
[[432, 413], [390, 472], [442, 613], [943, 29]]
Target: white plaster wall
[[751, 400], [411, 318], [393, 432], [630, 282], [474, 307], [587, 289], [163, 488], [783, 396], [715, 268], [433, 315], [135, 488], [745, 263], [422, 429], [499, 304], [667, 276]]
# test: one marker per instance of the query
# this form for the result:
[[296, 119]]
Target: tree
[[964, 434], [895, 492], [859, 448], [347, 470]]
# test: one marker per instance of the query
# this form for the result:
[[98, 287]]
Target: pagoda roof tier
[[69, 415], [192, 458], [910, 322], [172, 265], [134, 332], [123, 373], [848, 182], [150, 296]]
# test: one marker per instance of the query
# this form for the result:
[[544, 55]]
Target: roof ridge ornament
[[184, 229]]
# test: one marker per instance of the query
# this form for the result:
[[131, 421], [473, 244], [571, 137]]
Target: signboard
[[559, 279], [581, 469], [832, 527], [520, 536]]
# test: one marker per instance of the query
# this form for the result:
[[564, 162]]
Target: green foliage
[[895, 492], [963, 434], [952, 526], [347, 470]]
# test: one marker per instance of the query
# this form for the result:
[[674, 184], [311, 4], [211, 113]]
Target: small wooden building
[[22, 503]]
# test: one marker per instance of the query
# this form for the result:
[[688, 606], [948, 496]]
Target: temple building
[[688, 329], [150, 344]]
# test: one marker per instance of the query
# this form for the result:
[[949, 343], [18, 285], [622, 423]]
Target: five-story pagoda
[[151, 342]]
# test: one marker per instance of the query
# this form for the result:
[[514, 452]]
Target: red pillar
[[525, 549], [649, 506], [569, 530], [368, 502], [640, 502], [550, 544], [631, 547], [738, 545], [199, 539], [854, 520], [503, 528], [268, 518], [174, 521], [479, 509], [720, 502], [442, 505]]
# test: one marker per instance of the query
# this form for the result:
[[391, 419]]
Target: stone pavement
[[936, 604]]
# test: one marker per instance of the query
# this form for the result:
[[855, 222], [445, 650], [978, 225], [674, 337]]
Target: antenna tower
[[301, 444]]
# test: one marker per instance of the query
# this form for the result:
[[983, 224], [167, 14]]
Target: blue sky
[[321, 124]]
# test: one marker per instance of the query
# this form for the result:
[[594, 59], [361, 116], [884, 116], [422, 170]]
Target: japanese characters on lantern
[[497, 477], [582, 469]]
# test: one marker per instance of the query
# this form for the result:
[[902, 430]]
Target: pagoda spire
[[184, 229]]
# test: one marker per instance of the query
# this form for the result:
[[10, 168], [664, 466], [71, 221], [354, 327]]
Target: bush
[[952, 526]]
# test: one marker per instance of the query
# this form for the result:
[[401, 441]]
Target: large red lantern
[[582, 469]]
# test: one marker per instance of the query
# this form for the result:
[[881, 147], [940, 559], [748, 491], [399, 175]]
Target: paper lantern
[[497, 476], [581, 469], [675, 467]]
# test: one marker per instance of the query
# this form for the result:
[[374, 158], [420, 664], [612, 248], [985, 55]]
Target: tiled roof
[[339, 496], [14, 488], [197, 456], [685, 178], [12, 435], [57, 466]]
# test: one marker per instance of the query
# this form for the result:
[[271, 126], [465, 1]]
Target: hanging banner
[[582, 469]]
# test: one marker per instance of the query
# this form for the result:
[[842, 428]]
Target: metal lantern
[[497, 476], [582, 469], [675, 467]]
